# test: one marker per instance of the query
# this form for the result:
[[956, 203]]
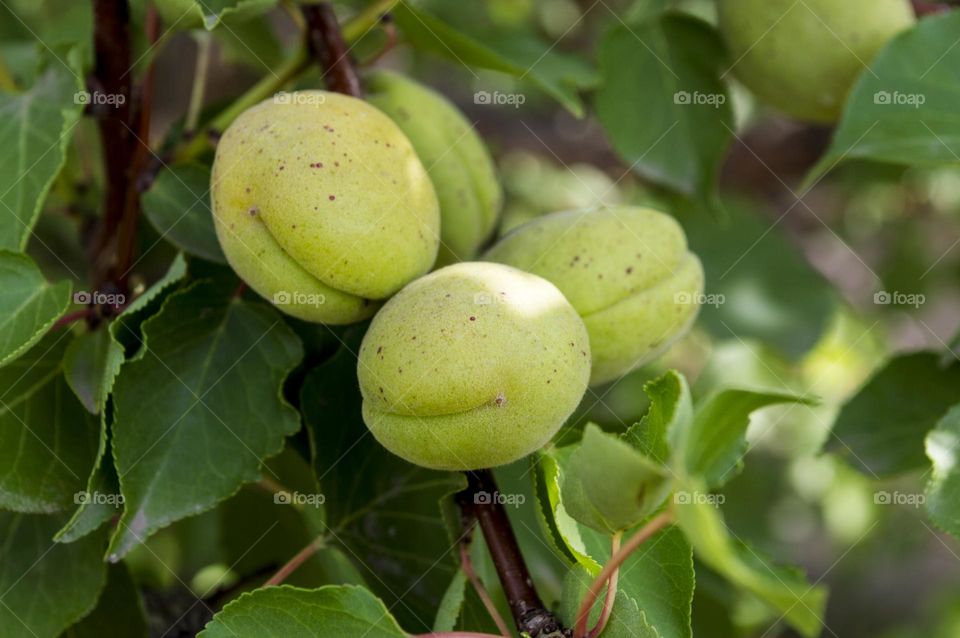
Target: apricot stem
[[327, 44], [613, 565]]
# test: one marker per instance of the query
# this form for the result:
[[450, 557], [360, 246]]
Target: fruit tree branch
[[111, 93], [480, 499], [140, 154], [924, 8], [328, 46]]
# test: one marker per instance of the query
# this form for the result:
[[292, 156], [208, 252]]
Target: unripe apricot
[[458, 161], [803, 57], [322, 206], [626, 270], [472, 366]]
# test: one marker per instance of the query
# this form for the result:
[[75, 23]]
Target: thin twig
[[466, 564], [611, 597], [328, 45], [358, 26], [613, 565], [295, 562], [72, 317], [197, 91], [390, 29]]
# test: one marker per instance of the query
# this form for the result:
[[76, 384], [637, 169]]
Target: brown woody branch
[[111, 47], [327, 45], [529, 613], [923, 8]]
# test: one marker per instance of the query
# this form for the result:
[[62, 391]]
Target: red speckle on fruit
[[332, 197]]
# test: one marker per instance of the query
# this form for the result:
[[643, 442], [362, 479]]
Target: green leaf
[[209, 14], [558, 75], [670, 409], [85, 365], [750, 262], [101, 499], [712, 445], [785, 591], [28, 304], [47, 439], [626, 620], [662, 104], [35, 129], [197, 413], [259, 531], [882, 428], [46, 586], [380, 509], [660, 578], [119, 606], [943, 491], [103, 478], [609, 485], [448, 611], [903, 110], [178, 206], [291, 612]]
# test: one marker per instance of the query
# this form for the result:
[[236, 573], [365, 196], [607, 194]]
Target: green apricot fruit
[[626, 270], [803, 57], [322, 206], [459, 163], [472, 366]]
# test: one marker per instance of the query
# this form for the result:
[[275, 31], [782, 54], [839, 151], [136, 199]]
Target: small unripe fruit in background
[[803, 58], [457, 159], [322, 206], [472, 366], [626, 270]]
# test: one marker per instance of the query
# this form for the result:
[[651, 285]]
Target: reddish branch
[[291, 566], [111, 103], [127, 233], [928, 8], [480, 499], [327, 45], [612, 567]]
